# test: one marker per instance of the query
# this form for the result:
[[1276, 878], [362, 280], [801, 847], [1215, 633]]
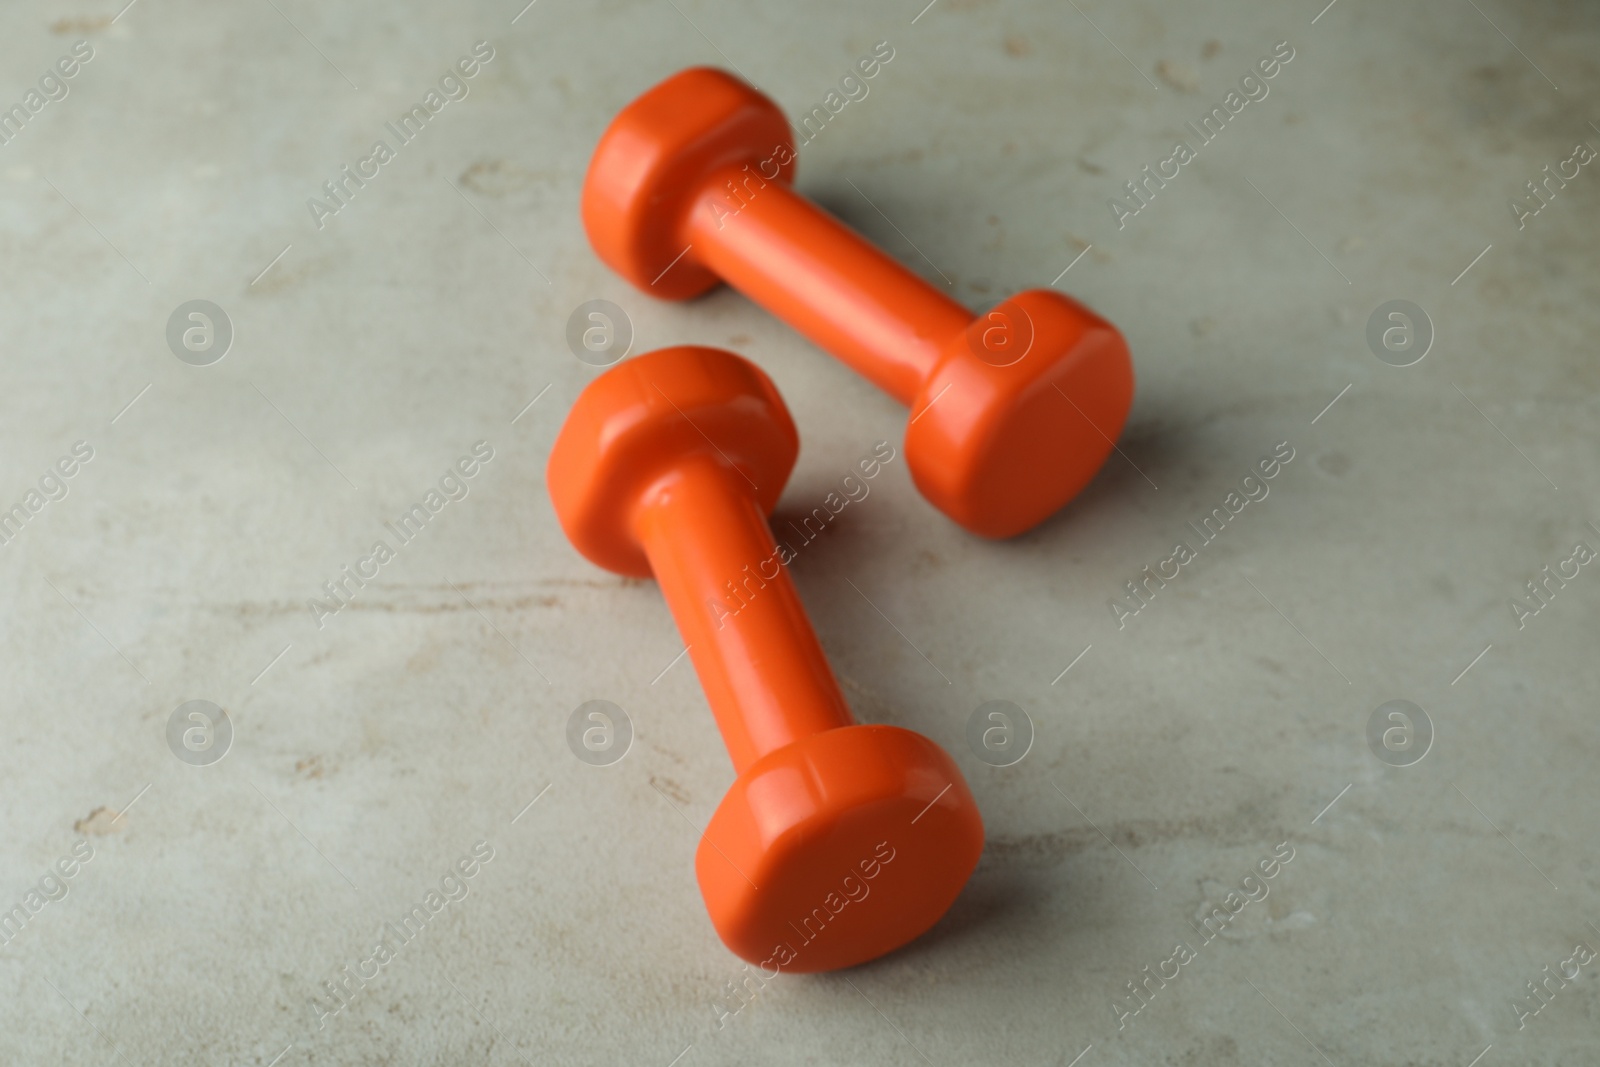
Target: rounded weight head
[[838, 848], [632, 425], [654, 157], [1021, 411]]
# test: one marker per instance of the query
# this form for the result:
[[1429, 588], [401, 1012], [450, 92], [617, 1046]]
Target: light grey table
[[1227, 722]]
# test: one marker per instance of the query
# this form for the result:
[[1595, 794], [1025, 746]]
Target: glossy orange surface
[[691, 185], [669, 464]]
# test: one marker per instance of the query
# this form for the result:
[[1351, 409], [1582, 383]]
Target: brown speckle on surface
[[310, 767], [99, 822], [1017, 46], [669, 754], [1210, 49], [670, 788], [739, 339], [288, 273], [1335, 464], [1178, 75], [498, 177], [80, 24]]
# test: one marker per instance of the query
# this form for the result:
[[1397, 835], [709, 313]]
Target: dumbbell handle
[[761, 666], [822, 278]]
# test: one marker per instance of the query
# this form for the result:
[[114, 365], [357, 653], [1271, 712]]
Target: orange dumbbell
[[1013, 412], [838, 842]]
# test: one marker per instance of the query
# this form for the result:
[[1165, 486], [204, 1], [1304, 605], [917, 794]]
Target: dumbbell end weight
[[838, 848], [1020, 413], [651, 164], [638, 420]]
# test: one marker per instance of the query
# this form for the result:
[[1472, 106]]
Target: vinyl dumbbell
[[1013, 411], [668, 465]]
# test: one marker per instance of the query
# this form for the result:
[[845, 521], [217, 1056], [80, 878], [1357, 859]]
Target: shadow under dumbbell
[[995, 922], [912, 214], [1146, 452]]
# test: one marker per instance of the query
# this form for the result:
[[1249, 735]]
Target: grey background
[[427, 716]]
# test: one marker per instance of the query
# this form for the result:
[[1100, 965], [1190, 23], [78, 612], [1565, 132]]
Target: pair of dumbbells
[[669, 464]]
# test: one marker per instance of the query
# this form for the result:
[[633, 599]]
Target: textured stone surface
[[1173, 757]]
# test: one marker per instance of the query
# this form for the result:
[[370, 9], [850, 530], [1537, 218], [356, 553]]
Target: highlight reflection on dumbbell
[[668, 465], [1013, 411]]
